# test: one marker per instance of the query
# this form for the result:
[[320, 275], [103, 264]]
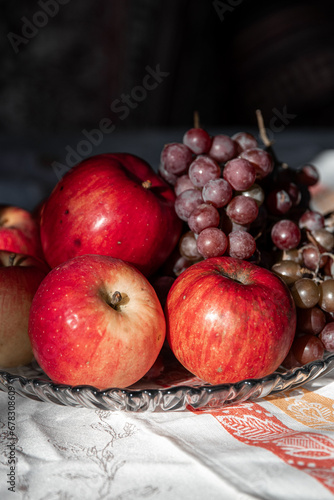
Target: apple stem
[[147, 184], [115, 298]]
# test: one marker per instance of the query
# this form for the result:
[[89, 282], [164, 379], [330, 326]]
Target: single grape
[[218, 192], [167, 176], [326, 300], [305, 293], [186, 202], [307, 348], [312, 258], [278, 202], [188, 246], [262, 161], [245, 140], [256, 192], [223, 148], [211, 242], [202, 170], [176, 158], [311, 220], [239, 173], [324, 238], [288, 270], [311, 320], [241, 245], [307, 175], [285, 234], [202, 217], [198, 140], [327, 336], [242, 210], [182, 184]]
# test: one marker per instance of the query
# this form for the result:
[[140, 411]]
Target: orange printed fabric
[[310, 452], [306, 407]]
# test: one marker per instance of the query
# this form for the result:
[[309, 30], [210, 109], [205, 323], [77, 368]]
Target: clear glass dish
[[167, 387]]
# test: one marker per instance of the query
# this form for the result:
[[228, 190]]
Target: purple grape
[[285, 234], [241, 245], [176, 158], [186, 202], [239, 173], [202, 217], [312, 258], [198, 140], [223, 148], [202, 170], [242, 210], [311, 220], [218, 192], [211, 242]]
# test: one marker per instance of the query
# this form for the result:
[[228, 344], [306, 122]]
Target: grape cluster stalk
[[237, 199]]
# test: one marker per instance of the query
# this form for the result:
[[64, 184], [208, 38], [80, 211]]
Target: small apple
[[19, 232], [96, 320], [20, 276], [111, 204], [229, 320]]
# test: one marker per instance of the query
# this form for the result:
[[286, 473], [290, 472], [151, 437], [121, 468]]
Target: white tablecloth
[[281, 447]]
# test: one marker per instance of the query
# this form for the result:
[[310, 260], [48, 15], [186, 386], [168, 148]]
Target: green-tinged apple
[[20, 276], [19, 232], [229, 320], [115, 205], [96, 320]]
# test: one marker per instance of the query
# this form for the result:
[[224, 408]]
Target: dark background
[[224, 59]]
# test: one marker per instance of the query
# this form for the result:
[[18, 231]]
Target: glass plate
[[167, 387]]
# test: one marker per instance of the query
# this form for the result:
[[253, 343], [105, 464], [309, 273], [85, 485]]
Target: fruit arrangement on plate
[[217, 258]]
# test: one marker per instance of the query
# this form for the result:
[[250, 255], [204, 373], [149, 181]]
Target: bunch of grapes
[[237, 199]]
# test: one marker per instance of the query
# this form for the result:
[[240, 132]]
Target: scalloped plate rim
[[322, 366]]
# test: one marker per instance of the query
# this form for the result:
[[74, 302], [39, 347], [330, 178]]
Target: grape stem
[[262, 129], [196, 120]]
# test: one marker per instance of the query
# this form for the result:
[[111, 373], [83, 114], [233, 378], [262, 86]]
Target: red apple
[[96, 320], [111, 204], [20, 277], [19, 232], [229, 320]]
